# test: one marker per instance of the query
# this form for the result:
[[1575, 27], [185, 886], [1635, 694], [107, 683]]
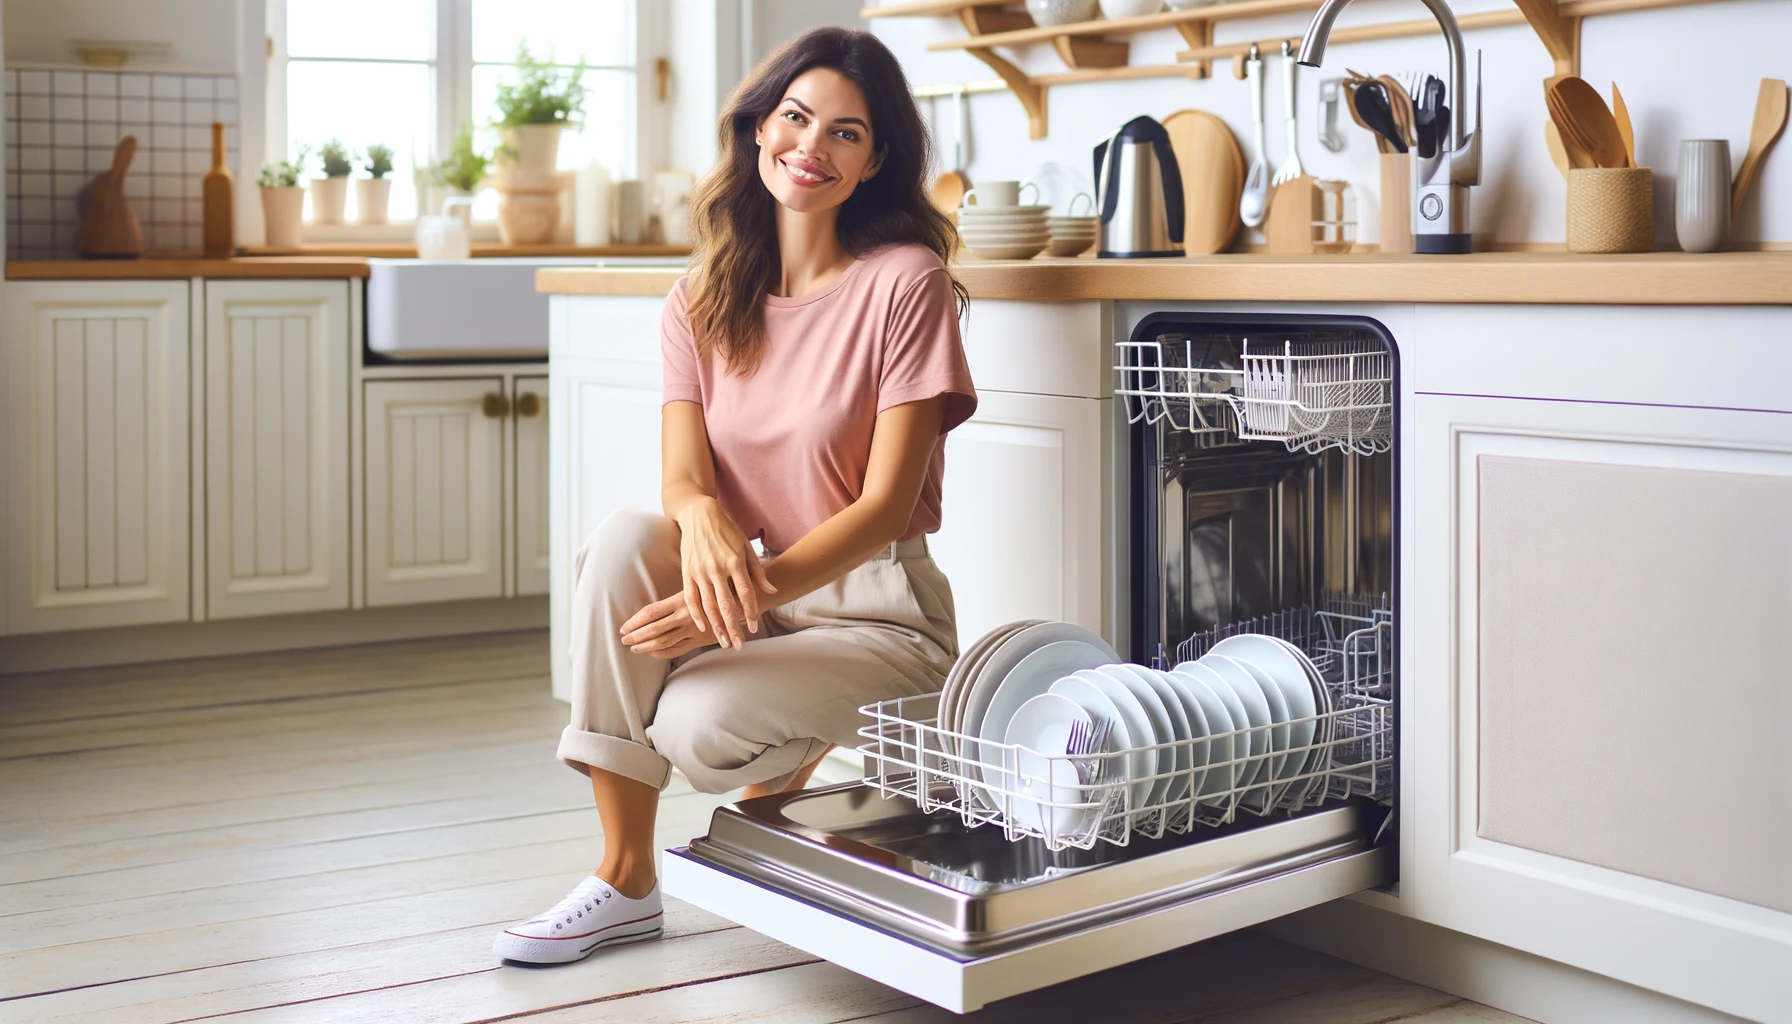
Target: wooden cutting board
[[1212, 179], [110, 229]]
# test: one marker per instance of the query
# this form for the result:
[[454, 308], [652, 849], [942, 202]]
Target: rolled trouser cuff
[[623, 757]]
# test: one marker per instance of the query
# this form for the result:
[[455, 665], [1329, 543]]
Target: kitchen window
[[409, 73]]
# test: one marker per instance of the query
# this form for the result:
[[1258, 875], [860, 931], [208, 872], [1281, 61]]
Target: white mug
[[1702, 194], [999, 193]]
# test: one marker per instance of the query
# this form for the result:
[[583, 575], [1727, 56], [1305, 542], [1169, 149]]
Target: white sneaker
[[592, 915]]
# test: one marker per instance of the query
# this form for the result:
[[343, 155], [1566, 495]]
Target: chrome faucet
[[1440, 182]]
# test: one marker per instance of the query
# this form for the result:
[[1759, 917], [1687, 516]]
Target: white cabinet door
[[1025, 523], [530, 405], [435, 499], [1595, 602], [96, 454], [276, 370]]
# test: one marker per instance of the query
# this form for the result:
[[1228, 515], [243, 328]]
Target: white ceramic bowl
[[1006, 252], [1059, 246], [1189, 5], [989, 241], [1003, 212], [1060, 12], [1112, 9]]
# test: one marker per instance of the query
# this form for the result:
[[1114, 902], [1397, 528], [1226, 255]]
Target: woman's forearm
[[828, 552], [679, 496]]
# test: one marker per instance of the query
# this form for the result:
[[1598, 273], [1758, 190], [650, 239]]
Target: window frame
[[450, 65]]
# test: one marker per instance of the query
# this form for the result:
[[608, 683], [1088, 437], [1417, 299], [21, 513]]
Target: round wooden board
[[1212, 179]]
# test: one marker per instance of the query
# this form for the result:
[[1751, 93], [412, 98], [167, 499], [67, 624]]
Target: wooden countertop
[[405, 250], [1665, 278], [157, 267]]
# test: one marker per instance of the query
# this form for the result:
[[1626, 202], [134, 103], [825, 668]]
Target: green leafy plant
[[542, 92], [379, 160], [286, 173], [337, 160], [464, 167]]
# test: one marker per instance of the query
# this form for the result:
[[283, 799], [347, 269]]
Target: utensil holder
[[1611, 209], [1396, 202], [1702, 194]]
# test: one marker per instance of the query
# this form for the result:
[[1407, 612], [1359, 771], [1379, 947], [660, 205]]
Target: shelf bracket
[[1030, 94], [1086, 52], [1560, 33], [1197, 34]]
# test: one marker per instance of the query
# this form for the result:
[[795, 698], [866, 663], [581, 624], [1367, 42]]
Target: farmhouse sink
[[467, 309]]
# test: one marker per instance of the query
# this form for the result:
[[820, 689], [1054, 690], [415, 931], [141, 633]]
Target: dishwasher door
[[961, 916]]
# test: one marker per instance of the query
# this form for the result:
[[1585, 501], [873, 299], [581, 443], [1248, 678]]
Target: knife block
[[1292, 208], [1396, 202]]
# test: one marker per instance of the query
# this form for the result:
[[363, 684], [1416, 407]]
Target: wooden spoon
[[1558, 154], [1770, 120], [1588, 121], [1622, 116]]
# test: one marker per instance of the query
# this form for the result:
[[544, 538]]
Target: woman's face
[[816, 147]]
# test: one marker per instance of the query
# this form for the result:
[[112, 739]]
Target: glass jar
[[1334, 217]]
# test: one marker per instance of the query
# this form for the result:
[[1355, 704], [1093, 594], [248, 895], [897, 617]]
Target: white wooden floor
[[335, 835]]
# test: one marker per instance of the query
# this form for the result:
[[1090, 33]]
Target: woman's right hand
[[722, 576]]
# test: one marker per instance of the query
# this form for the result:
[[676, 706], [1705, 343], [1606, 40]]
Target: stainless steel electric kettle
[[1141, 192]]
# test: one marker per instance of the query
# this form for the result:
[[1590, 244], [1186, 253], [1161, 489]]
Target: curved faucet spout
[[1312, 54]]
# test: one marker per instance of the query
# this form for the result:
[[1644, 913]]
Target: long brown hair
[[735, 262]]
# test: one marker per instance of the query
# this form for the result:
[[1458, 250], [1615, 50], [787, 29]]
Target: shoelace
[[576, 903]]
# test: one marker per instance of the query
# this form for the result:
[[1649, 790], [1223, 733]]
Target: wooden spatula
[[1558, 153], [1770, 120], [1587, 121], [1622, 116], [110, 229]]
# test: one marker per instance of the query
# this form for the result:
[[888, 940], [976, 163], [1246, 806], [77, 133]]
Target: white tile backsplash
[[62, 128]]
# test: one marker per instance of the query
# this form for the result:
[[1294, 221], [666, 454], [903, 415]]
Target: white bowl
[[1189, 5], [1010, 229], [1003, 212], [1059, 246], [1007, 252], [1112, 9], [1060, 12], [1006, 240]]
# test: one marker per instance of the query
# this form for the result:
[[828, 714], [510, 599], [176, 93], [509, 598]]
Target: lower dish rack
[[1026, 792]]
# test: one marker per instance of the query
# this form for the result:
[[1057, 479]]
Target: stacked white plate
[[1004, 232], [1071, 236]]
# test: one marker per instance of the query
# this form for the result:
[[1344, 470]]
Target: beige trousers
[[729, 717]]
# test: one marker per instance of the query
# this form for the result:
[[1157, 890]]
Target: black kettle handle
[[1173, 198]]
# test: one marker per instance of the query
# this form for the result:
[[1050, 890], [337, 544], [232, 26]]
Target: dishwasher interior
[[1261, 491]]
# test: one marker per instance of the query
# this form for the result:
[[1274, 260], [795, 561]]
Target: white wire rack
[[1027, 792], [1310, 395]]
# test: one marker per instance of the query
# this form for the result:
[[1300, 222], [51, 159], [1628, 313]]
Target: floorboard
[[336, 835]]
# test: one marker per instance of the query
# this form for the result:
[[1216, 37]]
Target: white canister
[[443, 236], [591, 205], [631, 212], [1702, 194]]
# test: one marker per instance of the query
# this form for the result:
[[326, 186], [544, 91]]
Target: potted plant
[[282, 200], [374, 192], [459, 173], [532, 112], [329, 194]]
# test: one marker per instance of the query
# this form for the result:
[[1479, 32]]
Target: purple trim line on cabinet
[[1601, 401]]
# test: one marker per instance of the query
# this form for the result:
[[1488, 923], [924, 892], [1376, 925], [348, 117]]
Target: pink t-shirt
[[793, 441]]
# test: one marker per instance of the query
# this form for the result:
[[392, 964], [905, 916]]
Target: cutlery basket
[[908, 754], [1611, 209]]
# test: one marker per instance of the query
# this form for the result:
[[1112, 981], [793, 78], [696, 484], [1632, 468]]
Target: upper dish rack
[[907, 753], [1310, 395]]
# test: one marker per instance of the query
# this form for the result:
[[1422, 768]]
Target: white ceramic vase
[[1702, 194], [329, 196], [372, 197], [528, 155], [281, 211]]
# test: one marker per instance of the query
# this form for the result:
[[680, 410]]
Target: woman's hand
[[663, 630], [722, 576]]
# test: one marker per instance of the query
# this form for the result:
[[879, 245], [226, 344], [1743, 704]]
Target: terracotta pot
[[281, 210], [533, 150], [528, 218], [372, 195], [328, 197]]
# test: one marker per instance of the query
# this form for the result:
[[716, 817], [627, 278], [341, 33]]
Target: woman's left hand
[[664, 629]]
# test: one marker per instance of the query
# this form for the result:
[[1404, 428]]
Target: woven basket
[[1611, 209]]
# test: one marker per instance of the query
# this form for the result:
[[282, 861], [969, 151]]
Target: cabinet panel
[[97, 461], [434, 491], [530, 403], [277, 357], [1023, 528]]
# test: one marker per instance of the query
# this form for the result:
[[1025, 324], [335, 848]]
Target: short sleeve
[[923, 354], [678, 350]]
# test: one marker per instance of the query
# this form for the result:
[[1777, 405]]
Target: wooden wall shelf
[[1091, 53]]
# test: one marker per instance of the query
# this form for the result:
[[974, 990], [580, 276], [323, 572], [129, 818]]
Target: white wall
[[772, 22], [1689, 72], [201, 34]]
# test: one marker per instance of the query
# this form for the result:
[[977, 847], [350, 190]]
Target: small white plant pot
[[328, 198], [281, 212], [526, 163], [372, 196]]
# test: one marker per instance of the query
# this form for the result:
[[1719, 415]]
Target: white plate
[[1239, 675], [1042, 725], [1268, 654], [1249, 710], [980, 241], [1162, 725], [1142, 761], [984, 679], [1184, 724], [1322, 751], [1117, 770], [1221, 748], [1030, 677], [957, 684], [1006, 252]]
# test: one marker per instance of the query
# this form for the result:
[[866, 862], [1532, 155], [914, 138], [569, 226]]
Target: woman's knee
[[625, 538], [702, 728]]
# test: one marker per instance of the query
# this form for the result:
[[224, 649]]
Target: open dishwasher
[[1259, 476]]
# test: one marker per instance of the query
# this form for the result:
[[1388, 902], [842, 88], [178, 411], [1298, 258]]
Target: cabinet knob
[[495, 405], [528, 404]]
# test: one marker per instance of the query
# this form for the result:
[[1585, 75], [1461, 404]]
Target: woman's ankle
[[630, 878]]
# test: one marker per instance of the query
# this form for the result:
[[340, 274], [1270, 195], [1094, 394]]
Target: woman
[[812, 369]]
